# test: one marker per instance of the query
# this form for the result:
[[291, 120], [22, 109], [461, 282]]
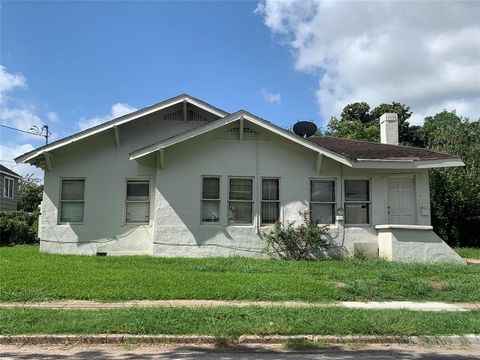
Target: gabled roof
[[119, 121], [7, 171], [237, 116], [353, 153]]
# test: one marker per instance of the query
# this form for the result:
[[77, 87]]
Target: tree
[[29, 194], [455, 192], [358, 122]]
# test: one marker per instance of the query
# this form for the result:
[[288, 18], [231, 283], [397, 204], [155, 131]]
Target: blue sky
[[81, 58], [70, 64]]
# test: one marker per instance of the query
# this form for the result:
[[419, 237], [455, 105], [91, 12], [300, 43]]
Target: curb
[[224, 341]]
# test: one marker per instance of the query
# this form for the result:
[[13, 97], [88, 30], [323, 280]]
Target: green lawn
[[226, 322], [468, 253], [28, 275]]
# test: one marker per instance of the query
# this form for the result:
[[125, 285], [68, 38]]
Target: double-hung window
[[240, 201], [210, 200], [8, 187], [357, 202], [72, 201], [322, 201], [270, 201], [137, 201]]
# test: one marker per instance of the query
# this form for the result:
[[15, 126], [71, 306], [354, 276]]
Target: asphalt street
[[376, 352]]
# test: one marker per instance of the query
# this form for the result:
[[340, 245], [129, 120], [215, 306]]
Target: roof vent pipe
[[389, 129]]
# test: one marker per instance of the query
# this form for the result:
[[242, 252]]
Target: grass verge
[[229, 321], [35, 276], [468, 253]]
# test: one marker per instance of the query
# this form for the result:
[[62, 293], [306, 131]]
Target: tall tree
[[358, 122], [29, 194], [455, 192]]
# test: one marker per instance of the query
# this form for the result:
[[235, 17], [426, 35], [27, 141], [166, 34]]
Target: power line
[[34, 130], [24, 131]]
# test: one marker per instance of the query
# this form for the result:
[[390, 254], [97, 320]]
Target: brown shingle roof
[[364, 150]]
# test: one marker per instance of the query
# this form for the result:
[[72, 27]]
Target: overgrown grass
[[468, 253], [28, 275], [228, 321]]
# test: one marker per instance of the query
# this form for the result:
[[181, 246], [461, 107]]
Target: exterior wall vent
[[194, 116], [175, 115]]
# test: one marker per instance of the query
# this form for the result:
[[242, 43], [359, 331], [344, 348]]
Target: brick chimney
[[389, 128]]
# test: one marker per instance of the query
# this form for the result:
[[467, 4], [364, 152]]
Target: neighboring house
[[184, 178], [9, 180]]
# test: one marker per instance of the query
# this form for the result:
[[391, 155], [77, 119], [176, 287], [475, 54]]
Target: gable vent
[[236, 130], [194, 116], [178, 116], [175, 115]]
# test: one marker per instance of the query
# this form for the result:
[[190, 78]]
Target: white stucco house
[[184, 178]]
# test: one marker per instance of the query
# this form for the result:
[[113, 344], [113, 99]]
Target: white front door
[[401, 201]]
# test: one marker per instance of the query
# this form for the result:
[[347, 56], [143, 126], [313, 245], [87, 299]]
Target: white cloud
[[424, 54], [53, 117], [9, 81], [271, 97], [10, 151], [117, 110]]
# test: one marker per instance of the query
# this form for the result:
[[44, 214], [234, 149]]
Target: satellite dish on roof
[[304, 128]]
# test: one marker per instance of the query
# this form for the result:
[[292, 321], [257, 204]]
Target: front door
[[401, 201]]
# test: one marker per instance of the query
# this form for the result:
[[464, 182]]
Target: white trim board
[[119, 121]]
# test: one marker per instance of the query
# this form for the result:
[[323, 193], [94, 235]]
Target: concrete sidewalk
[[374, 305]]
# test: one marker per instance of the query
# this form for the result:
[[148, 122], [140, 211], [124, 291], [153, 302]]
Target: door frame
[[412, 176]]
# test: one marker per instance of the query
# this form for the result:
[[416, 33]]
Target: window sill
[[137, 224]]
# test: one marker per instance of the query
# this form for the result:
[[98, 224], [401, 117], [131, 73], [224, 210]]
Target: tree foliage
[[358, 122], [455, 192], [29, 194]]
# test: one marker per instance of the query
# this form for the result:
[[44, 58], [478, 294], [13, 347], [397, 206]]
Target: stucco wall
[[415, 246], [105, 169], [175, 228]]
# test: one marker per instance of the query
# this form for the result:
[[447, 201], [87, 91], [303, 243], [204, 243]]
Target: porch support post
[[240, 131], [161, 158], [185, 110], [48, 161], [117, 136], [319, 163]]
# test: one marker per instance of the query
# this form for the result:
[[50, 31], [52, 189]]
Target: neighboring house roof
[[357, 150], [119, 121], [7, 171]]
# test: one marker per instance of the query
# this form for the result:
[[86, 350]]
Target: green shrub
[[18, 227], [307, 241]]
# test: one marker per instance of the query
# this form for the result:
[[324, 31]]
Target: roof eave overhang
[[10, 175], [231, 119], [406, 164], [117, 122]]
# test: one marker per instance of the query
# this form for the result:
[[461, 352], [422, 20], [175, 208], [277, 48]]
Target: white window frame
[[71, 201], [334, 202], [235, 223], [149, 201], [7, 189], [369, 202], [269, 201], [218, 200]]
